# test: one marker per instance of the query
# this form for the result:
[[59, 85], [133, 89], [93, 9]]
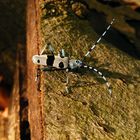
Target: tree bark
[[35, 114]]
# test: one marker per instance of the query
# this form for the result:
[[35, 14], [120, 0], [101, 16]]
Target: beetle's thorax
[[74, 64]]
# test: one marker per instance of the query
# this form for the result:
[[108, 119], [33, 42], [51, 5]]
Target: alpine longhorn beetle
[[62, 62]]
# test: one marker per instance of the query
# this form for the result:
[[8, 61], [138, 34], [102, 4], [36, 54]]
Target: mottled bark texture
[[88, 112]]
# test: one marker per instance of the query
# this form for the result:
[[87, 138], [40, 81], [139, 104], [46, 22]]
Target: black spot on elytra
[[50, 60], [61, 65], [38, 61]]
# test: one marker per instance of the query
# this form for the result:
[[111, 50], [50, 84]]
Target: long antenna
[[97, 42], [101, 75]]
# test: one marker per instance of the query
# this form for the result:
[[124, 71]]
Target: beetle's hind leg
[[38, 78], [67, 87]]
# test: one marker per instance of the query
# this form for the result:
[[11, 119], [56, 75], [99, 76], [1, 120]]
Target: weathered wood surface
[[3, 127], [35, 112], [13, 124], [10, 124]]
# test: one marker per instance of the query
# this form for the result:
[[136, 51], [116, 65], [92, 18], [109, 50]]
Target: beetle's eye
[[38, 61], [77, 61]]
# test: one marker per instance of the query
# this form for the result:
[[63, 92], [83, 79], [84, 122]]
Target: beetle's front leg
[[38, 78], [37, 74]]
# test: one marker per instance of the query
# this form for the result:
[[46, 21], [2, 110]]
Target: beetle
[[62, 62]]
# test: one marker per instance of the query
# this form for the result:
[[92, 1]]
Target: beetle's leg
[[37, 74], [44, 48], [46, 68], [51, 49], [62, 53], [49, 46], [67, 82], [37, 78]]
